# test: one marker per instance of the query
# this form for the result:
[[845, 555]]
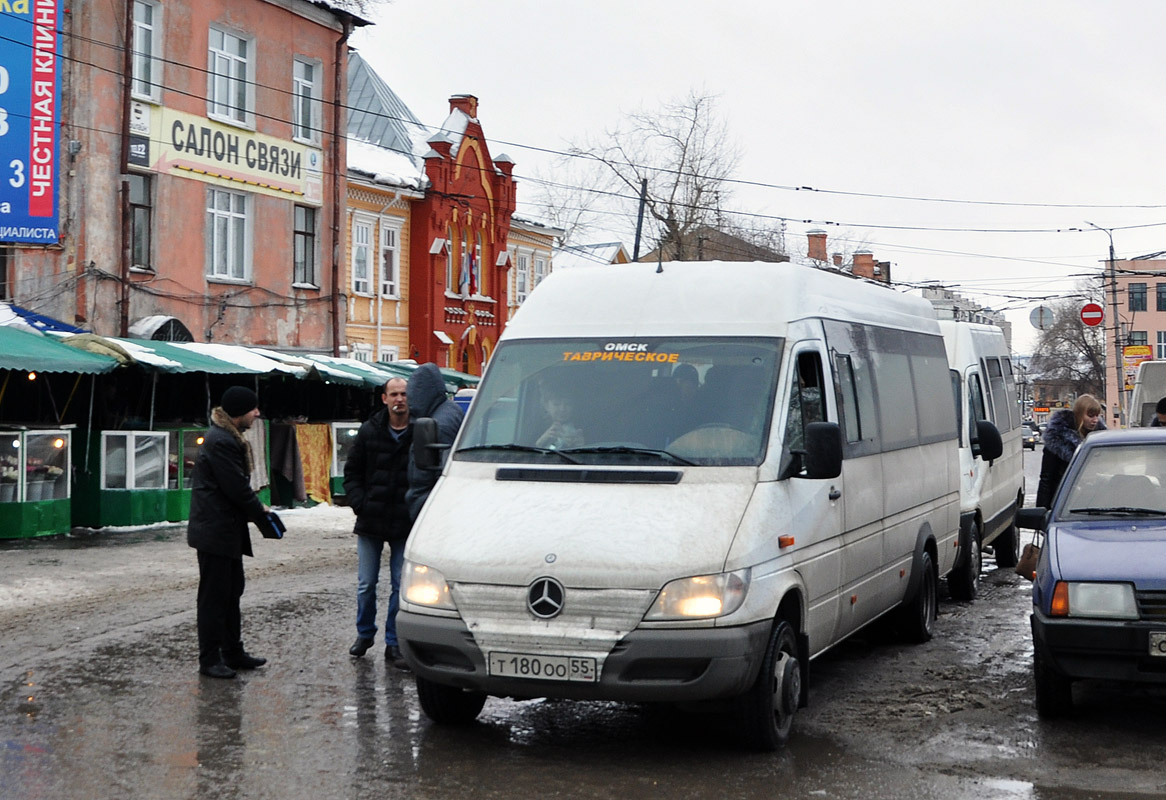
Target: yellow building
[[529, 249]]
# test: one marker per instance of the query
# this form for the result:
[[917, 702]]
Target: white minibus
[[681, 483]]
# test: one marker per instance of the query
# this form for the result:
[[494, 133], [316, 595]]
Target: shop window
[[34, 466], [343, 440], [135, 460]]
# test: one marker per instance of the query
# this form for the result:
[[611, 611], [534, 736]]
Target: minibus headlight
[[701, 596], [425, 586], [1105, 600]]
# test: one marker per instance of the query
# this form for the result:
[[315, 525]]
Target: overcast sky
[[1048, 114]]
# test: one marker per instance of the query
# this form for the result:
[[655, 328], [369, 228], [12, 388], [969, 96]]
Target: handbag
[[1026, 566]]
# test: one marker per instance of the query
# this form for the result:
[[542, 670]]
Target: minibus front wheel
[[449, 705], [766, 712]]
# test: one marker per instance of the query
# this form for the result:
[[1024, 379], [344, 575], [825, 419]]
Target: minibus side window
[[1010, 383], [848, 398], [976, 409], [959, 407], [1002, 403], [806, 401]]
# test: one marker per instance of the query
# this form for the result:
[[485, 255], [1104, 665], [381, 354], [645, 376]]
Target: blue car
[[1099, 593]]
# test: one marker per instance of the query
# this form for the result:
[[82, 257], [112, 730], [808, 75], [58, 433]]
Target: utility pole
[[640, 218], [1119, 382]]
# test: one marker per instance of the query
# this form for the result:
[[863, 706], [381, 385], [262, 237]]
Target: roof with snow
[[589, 255], [391, 141]]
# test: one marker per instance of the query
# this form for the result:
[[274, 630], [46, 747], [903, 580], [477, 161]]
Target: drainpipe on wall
[[126, 232], [338, 67]]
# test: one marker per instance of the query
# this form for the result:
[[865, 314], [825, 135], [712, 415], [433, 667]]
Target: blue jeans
[[368, 551]]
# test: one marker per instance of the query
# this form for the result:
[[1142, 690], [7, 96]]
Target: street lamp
[[1119, 383]]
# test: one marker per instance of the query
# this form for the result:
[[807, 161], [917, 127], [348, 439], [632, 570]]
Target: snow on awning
[[443, 337], [27, 351]]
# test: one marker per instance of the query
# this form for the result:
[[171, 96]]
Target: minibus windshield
[[625, 401]]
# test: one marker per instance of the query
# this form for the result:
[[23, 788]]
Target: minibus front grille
[[588, 475], [592, 620]]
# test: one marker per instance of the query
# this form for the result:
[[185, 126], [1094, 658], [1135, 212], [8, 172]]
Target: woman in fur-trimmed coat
[[1066, 429]]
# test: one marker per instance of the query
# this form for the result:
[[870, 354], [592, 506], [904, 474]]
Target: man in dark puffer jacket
[[375, 481]]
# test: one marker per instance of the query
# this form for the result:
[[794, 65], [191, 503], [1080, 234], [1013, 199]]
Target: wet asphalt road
[[100, 698]]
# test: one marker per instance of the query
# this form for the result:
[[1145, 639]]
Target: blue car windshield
[[639, 400], [1119, 481]]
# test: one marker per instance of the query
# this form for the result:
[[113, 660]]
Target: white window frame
[[362, 228], [390, 272], [297, 280], [131, 450], [309, 89], [237, 268], [389, 353], [148, 53], [224, 81], [540, 270], [521, 277], [1161, 353]]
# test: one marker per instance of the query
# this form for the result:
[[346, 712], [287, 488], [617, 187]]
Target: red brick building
[[459, 245]]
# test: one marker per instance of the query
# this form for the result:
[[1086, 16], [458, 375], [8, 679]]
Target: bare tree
[[1070, 351], [360, 6], [684, 152], [569, 201]]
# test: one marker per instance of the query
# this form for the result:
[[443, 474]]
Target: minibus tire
[[766, 712], [964, 581], [917, 615], [449, 705]]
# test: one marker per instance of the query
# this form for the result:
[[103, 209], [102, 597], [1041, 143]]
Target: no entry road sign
[[1092, 314]]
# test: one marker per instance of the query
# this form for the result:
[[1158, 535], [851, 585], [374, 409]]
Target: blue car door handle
[[834, 493]]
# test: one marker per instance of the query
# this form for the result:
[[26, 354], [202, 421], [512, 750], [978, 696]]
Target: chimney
[[883, 271], [466, 103], [816, 245], [837, 259], [863, 266]]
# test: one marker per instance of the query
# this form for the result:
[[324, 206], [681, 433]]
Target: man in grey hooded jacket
[[427, 398]]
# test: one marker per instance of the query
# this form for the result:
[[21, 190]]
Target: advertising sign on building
[[29, 120], [1132, 355], [196, 147]]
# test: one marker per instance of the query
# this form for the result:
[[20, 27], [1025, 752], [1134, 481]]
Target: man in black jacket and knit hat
[[221, 503], [375, 480]]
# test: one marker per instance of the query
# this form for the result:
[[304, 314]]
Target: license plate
[[1158, 643], [543, 668]]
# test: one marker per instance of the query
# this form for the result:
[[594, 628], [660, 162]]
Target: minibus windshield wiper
[[1120, 510], [620, 448], [521, 448]]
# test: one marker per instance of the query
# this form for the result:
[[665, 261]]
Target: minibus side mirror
[[426, 448], [987, 445], [823, 457]]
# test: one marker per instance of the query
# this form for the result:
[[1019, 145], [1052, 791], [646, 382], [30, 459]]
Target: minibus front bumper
[[653, 665]]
